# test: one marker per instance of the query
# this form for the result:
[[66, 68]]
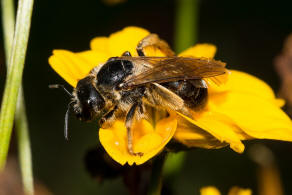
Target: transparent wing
[[166, 69]]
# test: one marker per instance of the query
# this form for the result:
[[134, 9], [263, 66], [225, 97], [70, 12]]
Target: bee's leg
[[131, 115], [127, 53], [159, 95], [107, 120], [155, 41]]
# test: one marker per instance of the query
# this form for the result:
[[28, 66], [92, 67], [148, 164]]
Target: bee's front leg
[[107, 120], [131, 115]]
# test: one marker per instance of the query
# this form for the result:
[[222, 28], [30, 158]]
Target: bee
[[124, 86]]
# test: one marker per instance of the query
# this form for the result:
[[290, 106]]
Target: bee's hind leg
[[154, 41], [130, 118]]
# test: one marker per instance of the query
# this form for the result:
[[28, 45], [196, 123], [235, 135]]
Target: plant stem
[[186, 23], [14, 74], [156, 175], [8, 22], [173, 164], [22, 132], [24, 149]]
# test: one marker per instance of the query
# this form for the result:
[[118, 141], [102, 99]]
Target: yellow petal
[[126, 40], [256, 116], [251, 103], [100, 44], [193, 136], [75, 66], [244, 108], [147, 140], [239, 191], [93, 58], [200, 50], [210, 190], [244, 83], [220, 126]]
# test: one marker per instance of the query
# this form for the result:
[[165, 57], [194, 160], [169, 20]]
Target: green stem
[[24, 145], [8, 22], [173, 164], [156, 175], [186, 23], [22, 132], [14, 75]]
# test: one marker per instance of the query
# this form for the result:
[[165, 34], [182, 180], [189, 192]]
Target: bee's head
[[88, 104]]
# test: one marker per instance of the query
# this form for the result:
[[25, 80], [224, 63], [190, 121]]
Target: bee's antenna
[[58, 86], [66, 120]]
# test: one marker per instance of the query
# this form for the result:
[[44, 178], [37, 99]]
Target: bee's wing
[[166, 69]]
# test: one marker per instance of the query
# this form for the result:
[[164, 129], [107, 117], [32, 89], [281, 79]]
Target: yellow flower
[[239, 106], [210, 190]]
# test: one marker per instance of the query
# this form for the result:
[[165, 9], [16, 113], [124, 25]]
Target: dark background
[[248, 34]]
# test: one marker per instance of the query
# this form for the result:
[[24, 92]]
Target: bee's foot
[[140, 154]]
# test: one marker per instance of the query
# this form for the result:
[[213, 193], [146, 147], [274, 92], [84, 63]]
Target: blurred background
[[248, 34]]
